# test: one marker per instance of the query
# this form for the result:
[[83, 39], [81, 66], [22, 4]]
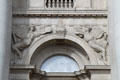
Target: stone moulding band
[[60, 15], [86, 73], [22, 67], [86, 68], [87, 13]]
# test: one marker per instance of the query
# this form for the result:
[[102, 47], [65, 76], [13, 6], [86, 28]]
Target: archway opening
[[46, 52], [60, 63]]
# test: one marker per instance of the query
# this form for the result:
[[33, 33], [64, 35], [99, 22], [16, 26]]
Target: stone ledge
[[88, 68], [22, 67], [82, 13], [62, 74], [97, 67]]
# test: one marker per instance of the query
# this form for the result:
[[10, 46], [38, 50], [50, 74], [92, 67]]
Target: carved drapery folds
[[23, 36], [94, 35]]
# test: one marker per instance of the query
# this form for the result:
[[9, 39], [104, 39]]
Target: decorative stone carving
[[60, 29], [23, 40], [96, 37]]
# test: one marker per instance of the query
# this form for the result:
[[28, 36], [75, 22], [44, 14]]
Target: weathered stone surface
[[42, 5], [5, 37], [45, 29]]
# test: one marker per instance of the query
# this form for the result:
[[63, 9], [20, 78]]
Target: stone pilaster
[[5, 37], [114, 37]]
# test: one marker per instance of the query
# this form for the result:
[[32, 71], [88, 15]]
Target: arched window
[[59, 3], [60, 64]]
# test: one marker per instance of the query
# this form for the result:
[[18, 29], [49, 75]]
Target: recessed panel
[[99, 4], [36, 4], [83, 4]]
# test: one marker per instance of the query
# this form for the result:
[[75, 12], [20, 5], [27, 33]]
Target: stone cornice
[[98, 67], [88, 68], [22, 67], [62, 13], [104, 69]]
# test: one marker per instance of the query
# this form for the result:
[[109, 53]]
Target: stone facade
[[74, 28]]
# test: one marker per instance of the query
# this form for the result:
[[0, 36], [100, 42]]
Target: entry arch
[[74, 39]]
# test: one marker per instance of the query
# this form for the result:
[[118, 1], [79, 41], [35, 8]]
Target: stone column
[[114, 37], [5, 37]]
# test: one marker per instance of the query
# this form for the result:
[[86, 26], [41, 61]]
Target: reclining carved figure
[[97, 39], [27, 40]]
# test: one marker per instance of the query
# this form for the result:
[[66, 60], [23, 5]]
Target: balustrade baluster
[[70, 5], [65, 3], [48, 3], [59, 3]]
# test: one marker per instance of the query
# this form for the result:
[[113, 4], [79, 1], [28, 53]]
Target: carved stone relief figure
[[26, 40], [96, 37], [81, 30]]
